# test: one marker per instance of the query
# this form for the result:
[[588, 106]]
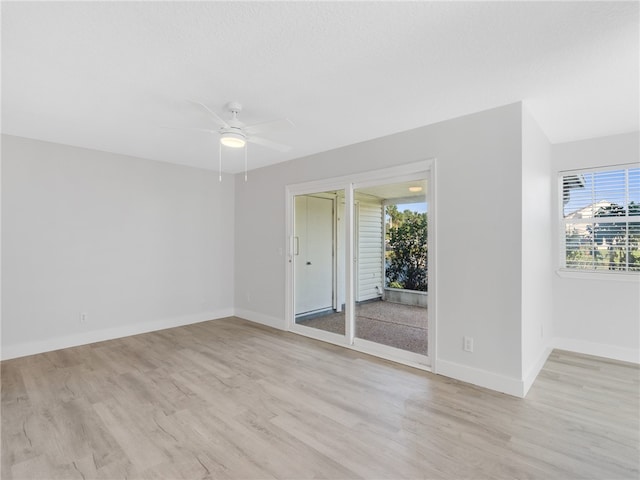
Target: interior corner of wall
[[482, 378], [261, 318], [613, 352], [533, 371]]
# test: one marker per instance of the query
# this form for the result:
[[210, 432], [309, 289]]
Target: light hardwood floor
[[231, 399]]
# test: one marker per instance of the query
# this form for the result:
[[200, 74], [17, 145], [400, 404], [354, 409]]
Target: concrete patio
[[392, 324]]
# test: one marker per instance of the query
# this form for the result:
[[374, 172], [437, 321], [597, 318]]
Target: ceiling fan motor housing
[[233, 135], [234, 107]]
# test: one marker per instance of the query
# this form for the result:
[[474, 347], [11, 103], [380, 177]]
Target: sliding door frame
[[425, 169]]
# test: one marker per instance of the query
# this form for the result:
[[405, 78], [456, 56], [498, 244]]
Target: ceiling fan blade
[[215, 116], [271, 126], [207, 130], [269, 143]]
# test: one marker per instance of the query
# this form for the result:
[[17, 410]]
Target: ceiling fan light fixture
[[233, 140]]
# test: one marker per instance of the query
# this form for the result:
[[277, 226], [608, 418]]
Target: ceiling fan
[[235, 134]]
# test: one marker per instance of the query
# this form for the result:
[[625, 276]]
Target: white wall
[[141, 245], [598, 317], [138, 245], [537, 257], [478, 235]]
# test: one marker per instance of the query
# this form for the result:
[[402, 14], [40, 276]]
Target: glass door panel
[[319, 261], [391, 274]]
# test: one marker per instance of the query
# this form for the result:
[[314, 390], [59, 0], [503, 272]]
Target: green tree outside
[[406, 252]]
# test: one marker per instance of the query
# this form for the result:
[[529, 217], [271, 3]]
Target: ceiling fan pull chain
[[219, 162]]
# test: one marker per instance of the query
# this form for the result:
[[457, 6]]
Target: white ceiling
[[111, 75]]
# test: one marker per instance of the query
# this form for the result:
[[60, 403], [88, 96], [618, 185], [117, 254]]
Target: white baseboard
[[597, 349], [261, 318], [84, 338], [481, 378]]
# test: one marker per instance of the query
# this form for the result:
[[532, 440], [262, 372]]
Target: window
[[601, 219]]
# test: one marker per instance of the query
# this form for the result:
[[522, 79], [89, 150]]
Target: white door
[[313, 255]]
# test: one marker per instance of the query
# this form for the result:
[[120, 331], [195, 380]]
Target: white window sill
[[602, 275]]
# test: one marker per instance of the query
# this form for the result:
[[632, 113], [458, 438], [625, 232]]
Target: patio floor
[[392, 324]]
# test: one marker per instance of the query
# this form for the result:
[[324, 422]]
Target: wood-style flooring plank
[[229, 399]]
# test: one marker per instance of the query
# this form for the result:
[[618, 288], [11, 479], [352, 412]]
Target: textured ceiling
[[111, 75]]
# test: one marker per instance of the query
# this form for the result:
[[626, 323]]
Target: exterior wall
[[478, 160], [591, 314], [370, 231], [137, 245]]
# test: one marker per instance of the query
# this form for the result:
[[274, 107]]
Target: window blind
[[601, 219]]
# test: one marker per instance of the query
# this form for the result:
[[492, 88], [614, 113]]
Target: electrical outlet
[[468, 344], [83, 317]]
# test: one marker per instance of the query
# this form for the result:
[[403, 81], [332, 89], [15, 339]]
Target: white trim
[[561, 252], [612, 352], [339, 183], [406, 200], [261, 318], [599, 275], [334, 254], [349, 258], [402, 173], [289, 207], [432, 258], [323, 186], [84, 338], [533, 372], [602, 168], [387, 352], [321, 335], [481, 378]]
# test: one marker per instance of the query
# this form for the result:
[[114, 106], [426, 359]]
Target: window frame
[[567, 272]]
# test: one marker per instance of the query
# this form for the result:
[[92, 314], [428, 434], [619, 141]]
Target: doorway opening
[[361, 271]]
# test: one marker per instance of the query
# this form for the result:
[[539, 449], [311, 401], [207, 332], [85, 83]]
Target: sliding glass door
[[358, 258]]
